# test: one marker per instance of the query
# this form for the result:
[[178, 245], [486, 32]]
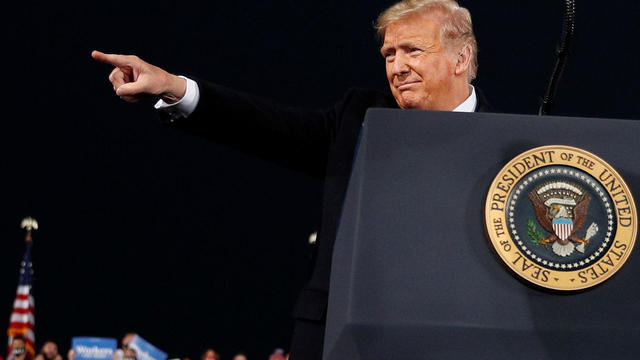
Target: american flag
[[22, 318]]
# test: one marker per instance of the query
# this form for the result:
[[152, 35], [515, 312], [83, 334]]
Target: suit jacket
[[319, 142]]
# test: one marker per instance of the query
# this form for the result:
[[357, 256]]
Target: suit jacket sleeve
[[294, 137]]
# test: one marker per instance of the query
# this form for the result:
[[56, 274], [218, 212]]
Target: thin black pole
[[562, 53]]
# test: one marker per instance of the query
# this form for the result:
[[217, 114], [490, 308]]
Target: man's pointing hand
[[134, 79]]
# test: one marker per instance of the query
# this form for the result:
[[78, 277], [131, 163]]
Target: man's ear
[[464, 60]]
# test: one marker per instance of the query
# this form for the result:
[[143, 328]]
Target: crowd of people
[[49, 351]]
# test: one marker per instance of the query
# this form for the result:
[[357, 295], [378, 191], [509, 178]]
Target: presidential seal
[[561, 218]]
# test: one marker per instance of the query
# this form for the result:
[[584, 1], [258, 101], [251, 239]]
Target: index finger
[[112, 59]]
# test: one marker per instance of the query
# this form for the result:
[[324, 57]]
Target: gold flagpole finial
[[29, 224]]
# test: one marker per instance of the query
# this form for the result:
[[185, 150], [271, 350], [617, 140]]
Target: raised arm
[[297, 138], [134, 79]]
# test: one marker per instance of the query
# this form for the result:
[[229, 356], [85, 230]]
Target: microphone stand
[[562, 52]]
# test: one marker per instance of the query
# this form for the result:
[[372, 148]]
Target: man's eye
[[415, 50]]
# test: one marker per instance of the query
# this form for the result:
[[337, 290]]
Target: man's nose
[[400, 66]]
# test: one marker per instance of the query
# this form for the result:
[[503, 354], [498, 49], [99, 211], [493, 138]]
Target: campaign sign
[[146, 351], [92, 348]]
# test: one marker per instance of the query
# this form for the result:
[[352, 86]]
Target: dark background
[[192, 244]]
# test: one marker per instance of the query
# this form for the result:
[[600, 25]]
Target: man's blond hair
[[456, 30]]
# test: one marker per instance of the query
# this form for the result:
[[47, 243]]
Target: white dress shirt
[[470, 104], [185, 106]]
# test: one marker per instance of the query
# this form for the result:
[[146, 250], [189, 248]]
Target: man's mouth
[[405, 85]]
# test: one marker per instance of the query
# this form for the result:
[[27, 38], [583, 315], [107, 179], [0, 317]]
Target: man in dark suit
[[430, 56]]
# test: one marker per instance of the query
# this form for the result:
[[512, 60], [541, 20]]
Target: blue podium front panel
[[413, 274]]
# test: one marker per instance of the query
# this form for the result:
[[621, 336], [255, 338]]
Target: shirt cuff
[[183, 107]]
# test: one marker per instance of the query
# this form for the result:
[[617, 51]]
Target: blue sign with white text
[[92, 348], [146, 351]]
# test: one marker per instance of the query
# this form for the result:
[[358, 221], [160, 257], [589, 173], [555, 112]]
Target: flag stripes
[[22, 321], [563, 230]]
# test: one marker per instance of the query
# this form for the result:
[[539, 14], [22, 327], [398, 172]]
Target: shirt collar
[[468, 105]]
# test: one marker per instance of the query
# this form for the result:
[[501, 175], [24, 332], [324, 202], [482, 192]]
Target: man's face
[[50, 350], [19, 349], [420, 69]]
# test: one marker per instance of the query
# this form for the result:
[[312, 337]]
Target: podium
[[414, 275]]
